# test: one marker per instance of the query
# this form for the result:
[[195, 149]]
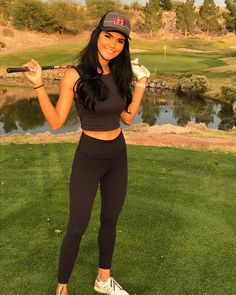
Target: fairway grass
[[153, 57], [59, 54], [213, 58], [175, 235]]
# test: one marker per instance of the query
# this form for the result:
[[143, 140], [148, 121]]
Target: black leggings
[[95, 161]]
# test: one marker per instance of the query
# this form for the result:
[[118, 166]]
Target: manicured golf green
[[173, 61], [177, 62], [213, 58], [176, 234]]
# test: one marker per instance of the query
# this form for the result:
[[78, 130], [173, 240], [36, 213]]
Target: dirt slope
[[193, 136]]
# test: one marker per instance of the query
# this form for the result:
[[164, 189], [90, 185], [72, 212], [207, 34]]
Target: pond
[[20, 112]]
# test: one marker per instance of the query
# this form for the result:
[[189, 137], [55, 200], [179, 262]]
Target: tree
[[166, 4], [152, 16], [230, 17], [97, 8], [31, 14], [51, 16], [3, 9], [6, 7], [175, 4], [208, 17], [66, 16], [186, 17], [135, 6]]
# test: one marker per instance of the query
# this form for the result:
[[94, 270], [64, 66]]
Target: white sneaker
[[110, 287]]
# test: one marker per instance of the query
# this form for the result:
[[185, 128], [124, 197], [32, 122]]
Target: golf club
[[25, 69]]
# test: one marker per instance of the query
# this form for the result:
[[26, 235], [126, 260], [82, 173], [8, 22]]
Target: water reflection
[[193, 109], [226, 114], [150, 110], [21, 115]]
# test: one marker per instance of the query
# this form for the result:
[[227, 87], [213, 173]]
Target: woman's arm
[[127, 117], [55, 116], [142, 74]]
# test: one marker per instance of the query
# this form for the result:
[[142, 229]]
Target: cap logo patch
[[119, 21]]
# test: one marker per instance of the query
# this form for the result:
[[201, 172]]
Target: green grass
[[213, 60], [177, 62], [175, 235], [212, 45], [153, 57], [53, 55], [174, 63]]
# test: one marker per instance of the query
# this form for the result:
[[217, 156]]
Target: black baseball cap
[[114, 21]]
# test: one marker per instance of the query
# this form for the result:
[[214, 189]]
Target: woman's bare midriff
[[104, 135]]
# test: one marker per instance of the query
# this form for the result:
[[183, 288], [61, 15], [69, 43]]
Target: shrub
[[33, 15], [193, 86], [53, 16], [229, 94], [5, 7], [67, 18], [3, 22], [96, 8], [7, 32], [2, 44], [138, 25]]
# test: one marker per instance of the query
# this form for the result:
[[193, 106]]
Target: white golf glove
[[139, 71]]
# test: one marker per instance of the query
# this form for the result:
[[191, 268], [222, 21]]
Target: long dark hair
[[90, 87]]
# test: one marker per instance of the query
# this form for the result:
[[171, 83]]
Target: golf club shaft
[[44, 68]]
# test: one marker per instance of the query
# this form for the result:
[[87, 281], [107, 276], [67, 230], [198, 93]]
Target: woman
[[100, 86]]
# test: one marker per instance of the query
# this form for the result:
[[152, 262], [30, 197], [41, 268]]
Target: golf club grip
[[25, 69]]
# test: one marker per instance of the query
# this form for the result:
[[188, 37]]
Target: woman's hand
[[139, 70], [35, 73]]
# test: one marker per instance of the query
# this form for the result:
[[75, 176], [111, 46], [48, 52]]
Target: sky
[[217, 2]]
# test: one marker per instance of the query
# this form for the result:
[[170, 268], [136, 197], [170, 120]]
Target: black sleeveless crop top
[[106, 115]]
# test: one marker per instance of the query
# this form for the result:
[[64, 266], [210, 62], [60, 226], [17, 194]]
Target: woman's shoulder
[[71, 75]]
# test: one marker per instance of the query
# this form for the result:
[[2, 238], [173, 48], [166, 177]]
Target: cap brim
[[111, 29]]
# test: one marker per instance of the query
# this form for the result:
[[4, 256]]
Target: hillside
[[15, 40]]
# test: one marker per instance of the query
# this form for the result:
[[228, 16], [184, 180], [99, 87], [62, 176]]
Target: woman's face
[[110, 45]]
